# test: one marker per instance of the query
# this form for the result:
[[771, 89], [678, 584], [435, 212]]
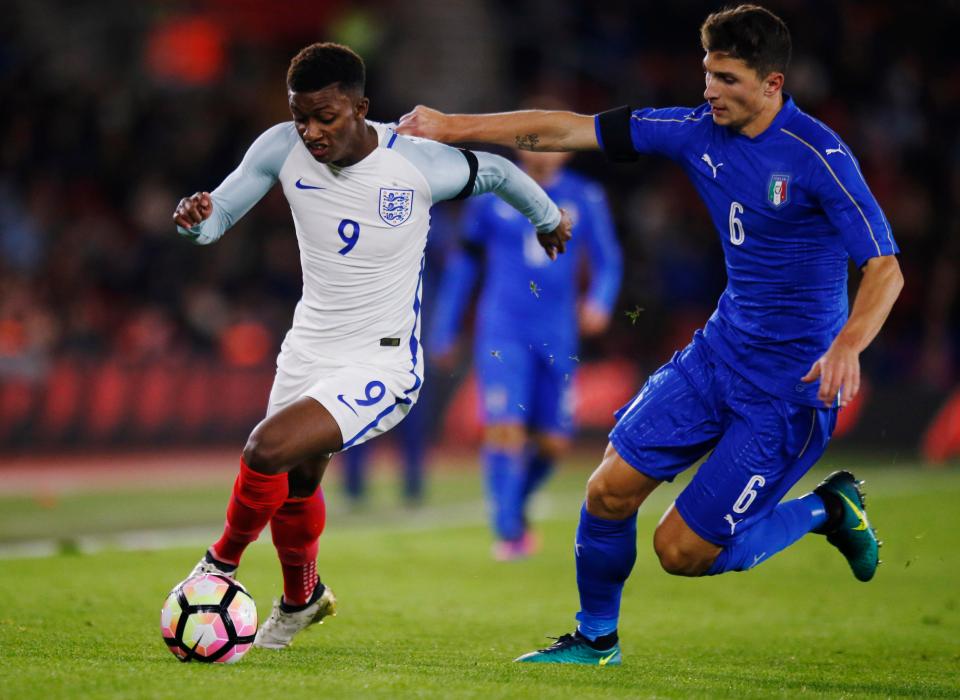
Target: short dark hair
[[325, 63], [751, 33]]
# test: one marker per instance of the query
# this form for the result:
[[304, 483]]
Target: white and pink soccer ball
[[209, 618]]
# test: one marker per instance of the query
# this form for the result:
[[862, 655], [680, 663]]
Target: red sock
[[256, 497], [296, 527]]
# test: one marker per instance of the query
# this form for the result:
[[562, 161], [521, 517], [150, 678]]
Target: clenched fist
[[555, 242], [193, 210]]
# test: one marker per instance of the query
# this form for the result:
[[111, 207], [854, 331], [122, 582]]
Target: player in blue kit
[[526, 343], [759, 387]]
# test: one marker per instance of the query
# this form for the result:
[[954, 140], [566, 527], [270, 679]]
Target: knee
[[606, 501], [676, 559], [262, 454], [507, 437]]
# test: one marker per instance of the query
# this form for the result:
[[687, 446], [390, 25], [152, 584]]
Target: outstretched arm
[[839, 368], [204, 217], [529, 130], [498, 175], [455, 174]]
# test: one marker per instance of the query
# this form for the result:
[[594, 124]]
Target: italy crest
[[395, 205], [778, 192]]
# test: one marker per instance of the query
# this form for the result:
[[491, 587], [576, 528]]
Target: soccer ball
[[209, 618]]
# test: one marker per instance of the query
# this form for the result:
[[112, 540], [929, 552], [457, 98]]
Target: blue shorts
[[525, 383], [761, 445]]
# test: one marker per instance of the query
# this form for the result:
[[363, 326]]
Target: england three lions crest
[[395, 205], [778, 190]]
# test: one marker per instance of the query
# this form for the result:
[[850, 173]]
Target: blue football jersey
[[525, 294], [791, 206]]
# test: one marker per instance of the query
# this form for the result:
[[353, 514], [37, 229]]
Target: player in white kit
[[351, 366]]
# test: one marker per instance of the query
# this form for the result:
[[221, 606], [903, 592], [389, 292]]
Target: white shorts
[[364, 399]]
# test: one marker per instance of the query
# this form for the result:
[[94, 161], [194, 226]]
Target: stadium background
[[115, 333], [133, 364]]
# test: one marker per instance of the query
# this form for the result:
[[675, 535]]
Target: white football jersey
[[362, 230]]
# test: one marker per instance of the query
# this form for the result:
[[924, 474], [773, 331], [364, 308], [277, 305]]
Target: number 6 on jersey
[[736, 226]]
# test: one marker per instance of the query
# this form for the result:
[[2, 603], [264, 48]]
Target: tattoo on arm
[[528, 142]]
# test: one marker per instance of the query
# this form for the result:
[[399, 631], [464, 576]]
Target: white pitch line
[[423, 520]]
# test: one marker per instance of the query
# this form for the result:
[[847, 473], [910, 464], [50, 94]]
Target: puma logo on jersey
[[709, 161], [733, 523], [838, 149]]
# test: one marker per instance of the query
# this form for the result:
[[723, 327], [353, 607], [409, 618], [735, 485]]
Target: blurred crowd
[[112, 111]]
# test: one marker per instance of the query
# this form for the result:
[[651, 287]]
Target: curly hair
[[325, 63], [751, 33]]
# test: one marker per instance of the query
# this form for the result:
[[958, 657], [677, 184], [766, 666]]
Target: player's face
[[736, 94], [331, 123]]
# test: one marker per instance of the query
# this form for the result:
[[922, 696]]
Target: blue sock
[[538, 469], [788, 522], [504, 476], [605, 551]]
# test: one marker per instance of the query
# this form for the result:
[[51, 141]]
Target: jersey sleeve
[[622, 133], [448, 171], [603, 250], [245, 186], [498, 175], [851, 207]]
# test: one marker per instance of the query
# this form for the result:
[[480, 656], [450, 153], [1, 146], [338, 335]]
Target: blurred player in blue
[[525, 348], [759, 387]]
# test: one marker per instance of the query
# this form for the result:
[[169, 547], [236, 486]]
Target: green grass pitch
[[425, 612]]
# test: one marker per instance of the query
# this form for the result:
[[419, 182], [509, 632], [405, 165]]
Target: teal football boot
[[853, 536], [573, 649]]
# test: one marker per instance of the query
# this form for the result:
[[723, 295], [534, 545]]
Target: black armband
[[471, 181], [615, 139]]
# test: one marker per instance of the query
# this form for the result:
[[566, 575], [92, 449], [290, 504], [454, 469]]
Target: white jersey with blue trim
[[362, 230]]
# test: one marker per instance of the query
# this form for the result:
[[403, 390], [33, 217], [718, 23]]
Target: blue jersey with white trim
[[790, 206]]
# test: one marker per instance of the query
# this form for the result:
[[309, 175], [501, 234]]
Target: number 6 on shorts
[[748, 494]]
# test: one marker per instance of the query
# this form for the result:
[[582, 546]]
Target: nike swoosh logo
[[860, 514], [301, 186], [603, 661], [340, 396]]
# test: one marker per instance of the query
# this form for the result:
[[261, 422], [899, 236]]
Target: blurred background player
[[529, 316], [759, 387], [351, 365]]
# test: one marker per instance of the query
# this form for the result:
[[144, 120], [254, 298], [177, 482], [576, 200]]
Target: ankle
[[601, 643], [835, 512], [314, 597]]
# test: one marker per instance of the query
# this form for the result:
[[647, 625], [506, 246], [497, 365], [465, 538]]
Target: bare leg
[[303, 431]]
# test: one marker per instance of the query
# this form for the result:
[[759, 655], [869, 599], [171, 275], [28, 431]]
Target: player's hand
[[555, 242], [592, 319], [838, 371], [193, 210], [424, 122]]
